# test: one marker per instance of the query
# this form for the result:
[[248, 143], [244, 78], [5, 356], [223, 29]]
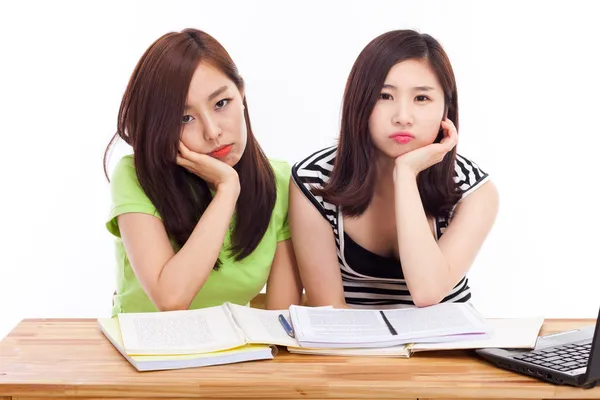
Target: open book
[[204, 330], [110, 328], [517, 333], [350, 328]]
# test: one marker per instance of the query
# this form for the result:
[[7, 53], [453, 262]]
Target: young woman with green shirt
[[199, 213]]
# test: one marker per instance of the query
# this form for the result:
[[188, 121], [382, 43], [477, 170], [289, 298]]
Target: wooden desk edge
[[313, 391]]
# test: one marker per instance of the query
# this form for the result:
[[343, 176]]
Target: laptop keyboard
[[561, 358]]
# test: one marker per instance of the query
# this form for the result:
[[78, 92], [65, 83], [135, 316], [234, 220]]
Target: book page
[[338, 325], [517, 333], [262, 326], [438, 320], [179, 332]]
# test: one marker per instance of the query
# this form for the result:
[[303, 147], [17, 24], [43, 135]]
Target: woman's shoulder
[[124, 165], [127, 194], [313, 172], [281, 168], [124, 175], [316, 168], [281, 172], [468, 175]]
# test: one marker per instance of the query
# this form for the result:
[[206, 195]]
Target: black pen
[[387, 322]]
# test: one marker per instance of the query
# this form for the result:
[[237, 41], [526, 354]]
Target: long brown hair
[[352, 181], [149, 121]]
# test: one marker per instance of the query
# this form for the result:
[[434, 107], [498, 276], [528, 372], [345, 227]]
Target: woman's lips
[[221, 151], [402, 137]]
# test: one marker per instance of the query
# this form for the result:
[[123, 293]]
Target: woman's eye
[[422, 98], [385, 96], [187, 119], [221, 103]]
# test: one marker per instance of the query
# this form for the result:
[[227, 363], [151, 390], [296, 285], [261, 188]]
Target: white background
[[529, 87]]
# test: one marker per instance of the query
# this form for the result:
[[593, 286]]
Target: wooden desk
[[63, 358]]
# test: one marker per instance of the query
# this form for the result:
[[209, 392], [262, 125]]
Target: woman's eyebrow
[[217, 92]]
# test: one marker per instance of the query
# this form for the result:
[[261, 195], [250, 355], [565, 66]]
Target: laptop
[[563, 358]]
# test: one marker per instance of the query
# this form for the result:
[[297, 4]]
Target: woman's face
[[213, 121], [409, 110]]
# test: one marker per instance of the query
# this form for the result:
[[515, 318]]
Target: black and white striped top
[[369, 279]]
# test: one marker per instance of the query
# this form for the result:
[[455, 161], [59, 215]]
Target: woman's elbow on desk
[[428, 294], [426, 300], [169, 294], [171, 302]]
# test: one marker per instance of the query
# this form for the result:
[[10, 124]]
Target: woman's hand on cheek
[[212, 171], [422, 158]]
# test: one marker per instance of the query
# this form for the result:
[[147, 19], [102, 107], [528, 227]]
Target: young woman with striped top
[[392, 216]]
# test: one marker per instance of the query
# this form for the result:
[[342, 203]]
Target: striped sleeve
[[313, 172], [468, 175]]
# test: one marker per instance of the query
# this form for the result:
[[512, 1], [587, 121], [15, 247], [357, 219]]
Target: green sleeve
[[282, 170], [127, 195]]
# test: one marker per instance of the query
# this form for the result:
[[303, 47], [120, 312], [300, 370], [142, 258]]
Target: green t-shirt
[[236, 281]]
